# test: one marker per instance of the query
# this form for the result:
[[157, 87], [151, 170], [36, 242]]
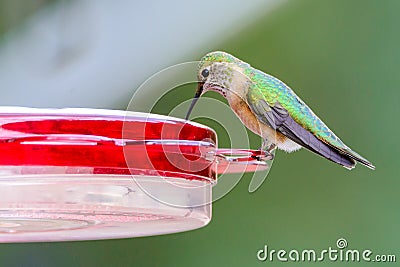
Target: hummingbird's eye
[[205, 73]]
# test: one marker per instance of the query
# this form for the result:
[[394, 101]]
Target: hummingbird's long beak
[[196, 97]]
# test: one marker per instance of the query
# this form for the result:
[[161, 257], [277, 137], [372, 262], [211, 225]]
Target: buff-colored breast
[[244, 113]]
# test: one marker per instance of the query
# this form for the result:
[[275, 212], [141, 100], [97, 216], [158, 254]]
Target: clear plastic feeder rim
[[82, 174]]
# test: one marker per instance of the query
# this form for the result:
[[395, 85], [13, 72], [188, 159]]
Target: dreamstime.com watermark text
[[339, 253]]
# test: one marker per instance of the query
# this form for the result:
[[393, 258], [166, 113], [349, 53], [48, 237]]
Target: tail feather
[[353, 155]]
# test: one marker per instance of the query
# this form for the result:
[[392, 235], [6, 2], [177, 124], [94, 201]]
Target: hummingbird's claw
[[264, 156]]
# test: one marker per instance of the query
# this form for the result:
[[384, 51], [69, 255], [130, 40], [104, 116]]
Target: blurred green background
[[341, 57]]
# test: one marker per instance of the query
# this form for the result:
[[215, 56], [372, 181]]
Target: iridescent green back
[[275, 91]]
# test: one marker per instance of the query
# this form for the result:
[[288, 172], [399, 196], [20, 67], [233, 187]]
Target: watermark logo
[[341, 253]]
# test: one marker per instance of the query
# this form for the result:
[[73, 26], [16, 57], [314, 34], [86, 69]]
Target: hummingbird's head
[[215, 73]]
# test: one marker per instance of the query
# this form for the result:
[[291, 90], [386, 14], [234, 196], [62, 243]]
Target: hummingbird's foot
[[263, 156]]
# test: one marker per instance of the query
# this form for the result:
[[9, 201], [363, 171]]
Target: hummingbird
[[270, 109]]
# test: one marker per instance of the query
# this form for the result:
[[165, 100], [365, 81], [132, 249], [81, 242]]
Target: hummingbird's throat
[[202, 88], [215, 88]]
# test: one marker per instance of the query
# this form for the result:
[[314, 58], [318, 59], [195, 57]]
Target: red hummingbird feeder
[[83, 174]]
